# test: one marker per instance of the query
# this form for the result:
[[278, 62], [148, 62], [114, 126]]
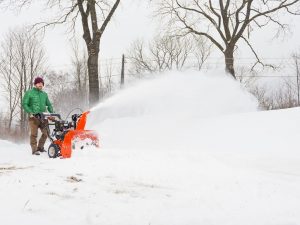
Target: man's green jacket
[[36, 101]]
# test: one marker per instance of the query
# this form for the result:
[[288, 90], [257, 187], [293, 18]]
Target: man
[[35, 102]]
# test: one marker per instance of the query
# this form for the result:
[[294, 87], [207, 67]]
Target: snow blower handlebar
[[79, 120], [47, 116]]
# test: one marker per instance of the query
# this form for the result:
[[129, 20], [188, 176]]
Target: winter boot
[[41, 149], [36, 153]]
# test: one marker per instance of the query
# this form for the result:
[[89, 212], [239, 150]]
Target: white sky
[[133, 20]]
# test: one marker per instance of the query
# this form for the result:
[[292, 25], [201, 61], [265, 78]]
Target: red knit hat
[[38, 80]]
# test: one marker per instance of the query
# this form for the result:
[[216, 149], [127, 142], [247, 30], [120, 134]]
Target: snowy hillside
[[170, 155]]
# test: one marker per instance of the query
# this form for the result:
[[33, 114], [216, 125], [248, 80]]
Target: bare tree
[[225, 22], [22, 59], [246, 76], [92, 40], [280, 97], [9, 83], [92, 13], [201, 51], [107, 80], [166, 53], [64, 92], [80, 68], [296, 61], [260, 92], [285, 96]]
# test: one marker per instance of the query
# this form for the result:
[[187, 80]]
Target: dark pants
[[34, 125]]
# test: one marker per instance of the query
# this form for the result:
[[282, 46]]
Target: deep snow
[[180, 149]]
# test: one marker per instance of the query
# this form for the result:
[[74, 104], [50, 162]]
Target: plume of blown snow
[[167, 111], [178, 95]]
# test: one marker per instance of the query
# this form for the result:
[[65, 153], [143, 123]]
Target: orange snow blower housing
[[64, 133]]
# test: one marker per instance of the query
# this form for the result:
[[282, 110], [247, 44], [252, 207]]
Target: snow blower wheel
[[53, 151]]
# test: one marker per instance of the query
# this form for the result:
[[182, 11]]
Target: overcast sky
[[133, 20]]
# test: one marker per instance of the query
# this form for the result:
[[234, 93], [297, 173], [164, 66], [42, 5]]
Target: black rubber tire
[[53, 151]]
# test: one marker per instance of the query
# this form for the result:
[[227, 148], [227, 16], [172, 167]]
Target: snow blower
[[65, 132]]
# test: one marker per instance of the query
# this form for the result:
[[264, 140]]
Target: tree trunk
[[10, 121], [79, 70], [20, 97], [229, 61], [92, 39], [93, 75]]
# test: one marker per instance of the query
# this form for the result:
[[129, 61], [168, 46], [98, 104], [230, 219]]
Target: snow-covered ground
[[183, 149]]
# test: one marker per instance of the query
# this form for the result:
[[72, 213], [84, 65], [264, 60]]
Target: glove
[[38, 116], [51, 118]]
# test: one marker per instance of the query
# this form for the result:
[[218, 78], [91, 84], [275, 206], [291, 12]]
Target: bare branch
[[232, 20], [258, 60]]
